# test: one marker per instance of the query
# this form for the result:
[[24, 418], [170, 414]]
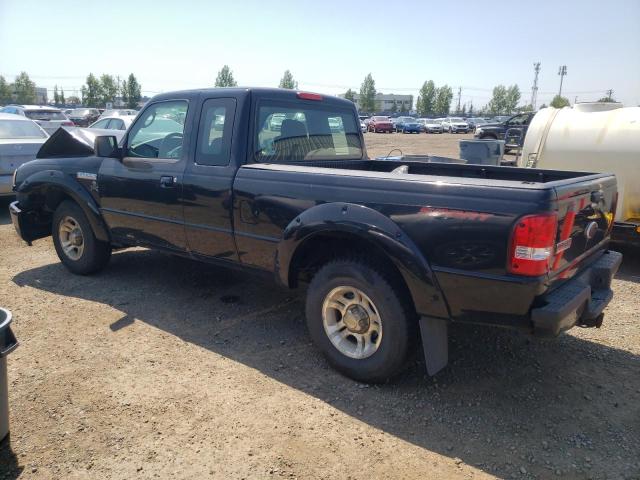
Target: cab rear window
[[292, 132]]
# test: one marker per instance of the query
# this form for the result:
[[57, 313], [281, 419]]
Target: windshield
[[288, 133], [380, 119], [456, 119], [20, 129], [44, 115]]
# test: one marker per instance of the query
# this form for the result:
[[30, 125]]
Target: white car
[[49, 118], [455, 125], [114, 122], [20, 140], [363, 126]]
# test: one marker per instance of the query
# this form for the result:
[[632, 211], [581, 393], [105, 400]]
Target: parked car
[[49, 118], [455, 125], [380, 124], [120, 112], [475, 122], [430, 125], [499, 119], [20, 140], [387, 248], [363, 126], [408, 125], [497, 131], [114, 122], [83, 117]]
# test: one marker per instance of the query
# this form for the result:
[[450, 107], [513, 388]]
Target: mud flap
[[435, 343]]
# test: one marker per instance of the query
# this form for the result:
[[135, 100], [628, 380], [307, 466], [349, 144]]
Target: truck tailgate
[[586, 209]]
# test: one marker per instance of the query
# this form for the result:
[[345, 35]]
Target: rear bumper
[[580, 301], [626, 233]]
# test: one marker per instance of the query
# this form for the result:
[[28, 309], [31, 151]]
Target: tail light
[[309, 96], [67, 124], [532, 242]]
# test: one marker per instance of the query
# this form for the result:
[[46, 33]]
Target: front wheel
[[360, 320], [75, 243]]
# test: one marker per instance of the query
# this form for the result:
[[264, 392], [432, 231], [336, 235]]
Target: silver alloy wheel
[[71, 238], [352, 322]]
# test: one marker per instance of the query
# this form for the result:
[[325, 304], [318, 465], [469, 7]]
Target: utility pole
[[534, 89], [575, 100], [610, 94], [459, 96], [562, 71]]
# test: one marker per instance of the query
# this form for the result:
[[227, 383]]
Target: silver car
[[118, 112], [20, 140], [113, 122], [49, 118]]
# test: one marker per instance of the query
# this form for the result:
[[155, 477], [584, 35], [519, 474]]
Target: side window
[[215, 131], [158, 132], [518, 120]]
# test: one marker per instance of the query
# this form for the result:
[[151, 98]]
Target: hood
[[74, 142]]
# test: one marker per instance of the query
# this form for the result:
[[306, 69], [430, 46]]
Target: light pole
[[562, 71]]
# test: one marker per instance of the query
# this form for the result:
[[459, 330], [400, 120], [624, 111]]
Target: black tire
[[95, 254], [399, 323]]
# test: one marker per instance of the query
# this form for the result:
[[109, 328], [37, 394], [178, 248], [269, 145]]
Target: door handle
[[167, 181]]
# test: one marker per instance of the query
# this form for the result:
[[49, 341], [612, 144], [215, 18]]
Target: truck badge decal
[[86, 176]]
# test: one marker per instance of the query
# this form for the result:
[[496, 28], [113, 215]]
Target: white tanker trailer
[[592, 137]]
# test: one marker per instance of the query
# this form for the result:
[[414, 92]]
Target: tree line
[[225, 78], [98, 91]]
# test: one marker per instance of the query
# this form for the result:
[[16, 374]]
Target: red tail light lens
[[532, 242]]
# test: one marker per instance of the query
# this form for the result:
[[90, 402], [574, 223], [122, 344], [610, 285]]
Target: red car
[[380, 124]]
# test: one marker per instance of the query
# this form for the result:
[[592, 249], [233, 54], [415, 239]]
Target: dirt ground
[[160, 367]]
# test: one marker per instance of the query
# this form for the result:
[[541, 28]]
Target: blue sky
[[330, 45]]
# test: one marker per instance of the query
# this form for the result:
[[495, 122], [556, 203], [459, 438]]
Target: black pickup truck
[[518, 124], [390, 251]]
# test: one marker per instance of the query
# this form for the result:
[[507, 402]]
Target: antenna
[[534, 89]]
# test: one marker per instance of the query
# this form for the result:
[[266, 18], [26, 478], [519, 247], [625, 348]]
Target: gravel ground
[[160, 367]]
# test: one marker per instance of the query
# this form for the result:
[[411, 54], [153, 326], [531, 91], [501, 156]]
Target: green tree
[[5, 91], [91, 91], [287, 81], [73, 100], [427, 99], [56, 97], [464, 110], [61, 97], [350, 95], [368, 94], [444, 96], [225, 78], [512, 98], [471, 109], [559, 102], [24, 88], [524, 108], [498, 102], [607, 100], [131, 91], [108, 89]]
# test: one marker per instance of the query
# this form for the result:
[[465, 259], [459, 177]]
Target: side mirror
[[106, 146]]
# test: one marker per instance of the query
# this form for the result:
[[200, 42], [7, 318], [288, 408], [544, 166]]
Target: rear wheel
[[360, 320], [75, 243]]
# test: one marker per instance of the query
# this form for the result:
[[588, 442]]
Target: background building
[[388, 102]]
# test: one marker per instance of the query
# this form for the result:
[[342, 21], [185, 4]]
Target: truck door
[[141, 193], [208, 181]]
